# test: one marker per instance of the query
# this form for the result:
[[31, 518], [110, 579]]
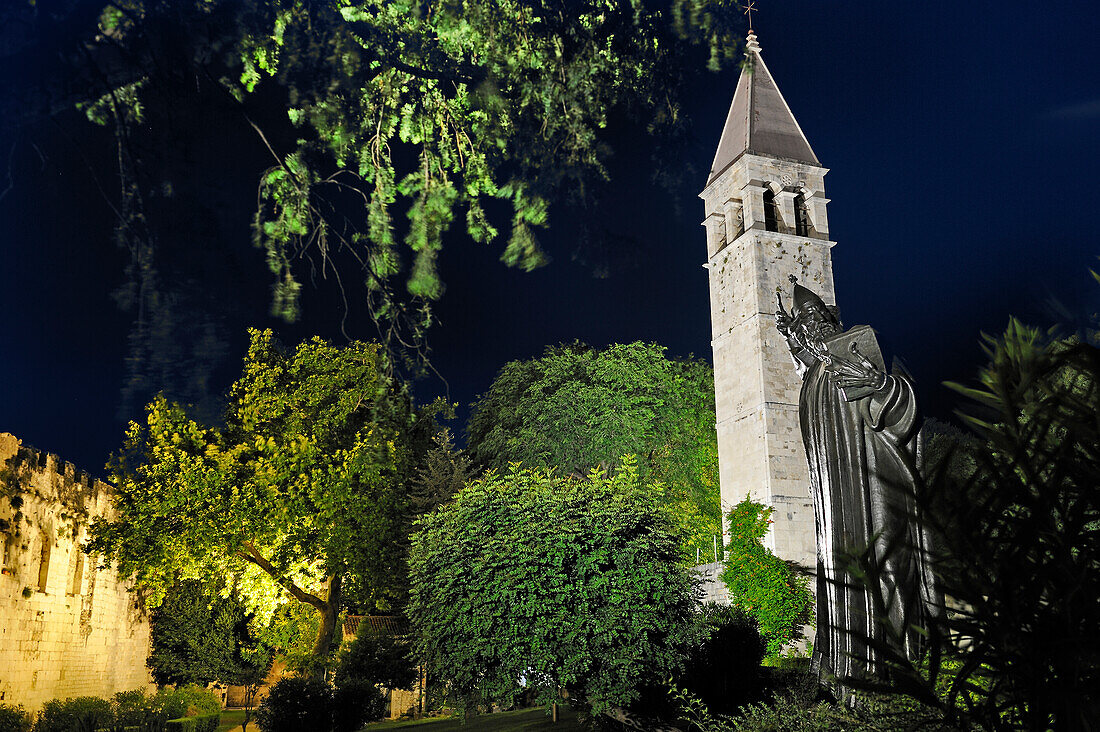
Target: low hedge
[[202, 723], [130, 711]]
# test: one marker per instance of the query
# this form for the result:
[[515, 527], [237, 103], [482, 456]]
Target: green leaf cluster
[[395, 120], [761, 583], [200, 636], [436, 111], [577, 406], [553, 583]]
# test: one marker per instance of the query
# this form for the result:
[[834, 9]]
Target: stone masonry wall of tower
[[760, 448]]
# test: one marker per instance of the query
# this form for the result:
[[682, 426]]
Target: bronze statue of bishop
[[860, 426]]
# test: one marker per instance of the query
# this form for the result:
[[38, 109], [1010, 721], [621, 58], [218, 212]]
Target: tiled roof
[[382, 624]]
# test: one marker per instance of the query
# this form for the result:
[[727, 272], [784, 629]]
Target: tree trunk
[[330, 612], [329, 606]]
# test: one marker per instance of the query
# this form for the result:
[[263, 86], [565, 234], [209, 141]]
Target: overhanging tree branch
[[253, 555]]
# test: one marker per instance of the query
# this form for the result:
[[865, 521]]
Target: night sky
[[963, 145]]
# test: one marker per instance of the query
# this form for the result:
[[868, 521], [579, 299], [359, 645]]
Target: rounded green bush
[[186, 701], [296, 704], [354, 703], [80, 713], [14, 718]]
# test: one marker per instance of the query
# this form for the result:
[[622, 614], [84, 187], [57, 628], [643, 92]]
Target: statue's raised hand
[[782, 318], [783, 322], [857, 371]]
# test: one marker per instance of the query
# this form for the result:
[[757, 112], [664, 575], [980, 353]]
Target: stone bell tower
[[765, 220]]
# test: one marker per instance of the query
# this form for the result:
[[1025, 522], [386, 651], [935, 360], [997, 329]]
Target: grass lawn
[[526, 720], [234, 718]]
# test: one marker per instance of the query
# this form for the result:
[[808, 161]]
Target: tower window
[[76, 572], [771, 211], [8, 549], [44, 564], [801, 216]]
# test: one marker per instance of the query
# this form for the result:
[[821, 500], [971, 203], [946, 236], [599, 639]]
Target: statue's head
[[810, 312]]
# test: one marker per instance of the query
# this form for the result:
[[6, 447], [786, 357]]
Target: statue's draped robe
[[862, 459]]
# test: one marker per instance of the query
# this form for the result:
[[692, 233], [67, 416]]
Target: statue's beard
[[815, 331]]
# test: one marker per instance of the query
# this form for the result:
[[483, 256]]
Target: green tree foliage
[[576, 406], [558, 583], [387, 123], [1019, 546], [762, 584], [443, 474], [14, 718], [199, 636], [379, 658], [298, 491]]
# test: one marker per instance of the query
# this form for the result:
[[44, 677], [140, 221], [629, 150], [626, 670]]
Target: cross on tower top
[[749, 7]]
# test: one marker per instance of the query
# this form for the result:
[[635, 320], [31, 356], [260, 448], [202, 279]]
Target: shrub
[[137, 709], [200, 723], [355, 702], [723, 667], [865, 713], [800, 708], [82, 714], [761, 583], [186, 701], [13, 718], [295, 704], [186, 724]]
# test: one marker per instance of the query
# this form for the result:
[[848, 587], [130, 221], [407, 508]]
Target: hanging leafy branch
[[436, 111], [390, 124]]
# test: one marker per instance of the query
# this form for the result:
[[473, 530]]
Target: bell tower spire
[[759, 120], [765, 221]]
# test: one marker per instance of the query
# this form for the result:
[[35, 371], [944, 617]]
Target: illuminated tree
[[296, 496]]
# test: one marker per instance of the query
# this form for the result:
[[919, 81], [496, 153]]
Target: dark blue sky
[[962, 146]]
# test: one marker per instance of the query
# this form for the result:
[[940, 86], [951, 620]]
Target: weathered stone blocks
[[66, 627], [760, 450]]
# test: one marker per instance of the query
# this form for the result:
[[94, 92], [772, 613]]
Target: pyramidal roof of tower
[[759, 121]]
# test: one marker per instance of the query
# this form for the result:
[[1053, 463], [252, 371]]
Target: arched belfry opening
[[801, 216], [771, 211]]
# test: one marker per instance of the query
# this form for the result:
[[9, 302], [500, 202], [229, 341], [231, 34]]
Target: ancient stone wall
[[710, 580], [67, 627]]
